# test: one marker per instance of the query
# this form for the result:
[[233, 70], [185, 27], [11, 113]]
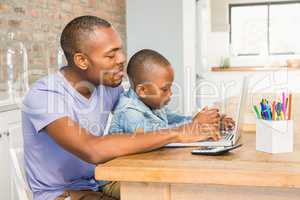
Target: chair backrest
[[18, 174]]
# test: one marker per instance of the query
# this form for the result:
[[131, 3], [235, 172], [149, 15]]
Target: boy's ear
[[141, 90], [81, 61]]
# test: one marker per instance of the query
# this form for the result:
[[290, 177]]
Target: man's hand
[[227, 123], [207, 116]]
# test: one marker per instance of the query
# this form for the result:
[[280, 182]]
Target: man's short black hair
[[142, 63], [77, 31]]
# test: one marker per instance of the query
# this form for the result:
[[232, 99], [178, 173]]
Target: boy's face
[[105, 58], [157, 92]]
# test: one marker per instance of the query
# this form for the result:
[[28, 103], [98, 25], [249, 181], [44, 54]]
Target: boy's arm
[[176, 119], [115, 125], [130, 120]]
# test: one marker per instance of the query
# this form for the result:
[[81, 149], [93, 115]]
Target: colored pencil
[[290, 107], [279, 109], [273, 111], [269, 112], [256, 111], [283, 104]]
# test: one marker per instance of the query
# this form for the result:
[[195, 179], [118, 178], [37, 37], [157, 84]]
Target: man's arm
[[93, 149]]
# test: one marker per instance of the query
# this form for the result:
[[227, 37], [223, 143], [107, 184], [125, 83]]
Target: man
[[65, 114]]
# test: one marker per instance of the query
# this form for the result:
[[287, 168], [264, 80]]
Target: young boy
[[142, 107]]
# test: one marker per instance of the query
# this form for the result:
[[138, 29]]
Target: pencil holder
[[274, 136]]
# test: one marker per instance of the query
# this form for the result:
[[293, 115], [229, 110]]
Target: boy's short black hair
[[77, 31], [143, 62]]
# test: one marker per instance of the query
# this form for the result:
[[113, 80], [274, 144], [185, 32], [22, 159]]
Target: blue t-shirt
[[49, 168]]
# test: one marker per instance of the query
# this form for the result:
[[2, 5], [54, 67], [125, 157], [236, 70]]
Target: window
[[265, 28]]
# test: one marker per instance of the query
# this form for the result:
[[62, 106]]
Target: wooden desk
[[175, 174]]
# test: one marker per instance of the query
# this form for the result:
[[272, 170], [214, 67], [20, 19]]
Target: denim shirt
[[131, 113]]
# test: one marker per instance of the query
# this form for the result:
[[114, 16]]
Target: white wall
[[168, 27], [189, 55], [157, 25]]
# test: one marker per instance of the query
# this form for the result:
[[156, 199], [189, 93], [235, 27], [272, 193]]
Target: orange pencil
[[290, 107], [273, 110]]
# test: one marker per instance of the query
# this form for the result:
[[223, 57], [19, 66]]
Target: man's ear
[[81, 61], [141, 90]]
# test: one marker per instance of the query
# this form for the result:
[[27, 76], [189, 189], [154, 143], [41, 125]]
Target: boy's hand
[[194, 132], [227, 123], [207, 116]]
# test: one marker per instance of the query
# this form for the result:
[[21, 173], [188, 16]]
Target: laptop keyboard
[[227, 135]]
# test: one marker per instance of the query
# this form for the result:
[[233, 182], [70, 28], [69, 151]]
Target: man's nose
[[121, 58], [170, 93]]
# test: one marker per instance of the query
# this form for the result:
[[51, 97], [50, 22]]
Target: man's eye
[[110, 56]]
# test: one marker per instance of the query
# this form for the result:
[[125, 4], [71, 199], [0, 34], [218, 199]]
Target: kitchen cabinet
[[10, 137]]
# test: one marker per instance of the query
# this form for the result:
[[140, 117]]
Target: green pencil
[[256, 111]]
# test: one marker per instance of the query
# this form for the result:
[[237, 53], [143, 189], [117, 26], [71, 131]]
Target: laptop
[[230, 137]]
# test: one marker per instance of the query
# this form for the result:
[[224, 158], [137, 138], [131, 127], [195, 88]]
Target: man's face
[[106, 57], [158, 90]]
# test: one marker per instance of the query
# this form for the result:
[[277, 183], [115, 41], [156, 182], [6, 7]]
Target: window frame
[[268, 4]]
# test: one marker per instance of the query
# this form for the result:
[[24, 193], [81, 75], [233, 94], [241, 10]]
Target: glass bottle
[[14, 61]]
